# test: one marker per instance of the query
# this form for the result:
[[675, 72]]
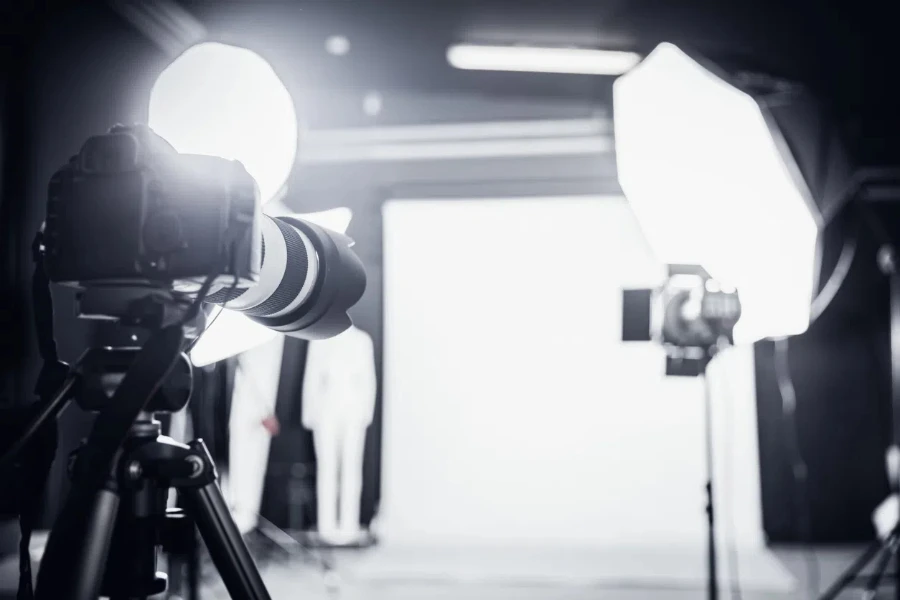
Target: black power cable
[[799, 469], [204, 291]]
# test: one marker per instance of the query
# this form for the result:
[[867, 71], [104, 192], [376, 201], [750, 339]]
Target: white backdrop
[[512, 410]]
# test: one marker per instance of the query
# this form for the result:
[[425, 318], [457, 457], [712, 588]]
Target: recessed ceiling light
[[337, 45]]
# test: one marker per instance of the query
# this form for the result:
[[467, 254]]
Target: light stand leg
[[888, 262], [852, 572], [896, 571], [888, 552]]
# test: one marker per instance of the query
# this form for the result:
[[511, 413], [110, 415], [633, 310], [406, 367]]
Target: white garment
[[252, 400], [339, 382], [339, 387]]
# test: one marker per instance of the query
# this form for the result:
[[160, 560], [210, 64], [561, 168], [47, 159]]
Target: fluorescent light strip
[[531, 128], [457, 150], [541, 60]]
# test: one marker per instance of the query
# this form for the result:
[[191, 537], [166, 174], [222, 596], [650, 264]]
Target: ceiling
[[844, 50]]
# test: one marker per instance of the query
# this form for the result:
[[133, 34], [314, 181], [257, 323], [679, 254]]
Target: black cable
[[799, 469], [231, 289], [848, 196], [194, 309], [39, 413], [232, 234], [836, 280]]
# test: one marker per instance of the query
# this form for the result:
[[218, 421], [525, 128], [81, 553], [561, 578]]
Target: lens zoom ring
[[226, 294], [296, 267]]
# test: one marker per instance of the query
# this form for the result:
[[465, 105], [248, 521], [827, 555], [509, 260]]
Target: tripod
[[129, 519], [883, 551], [111, 550]]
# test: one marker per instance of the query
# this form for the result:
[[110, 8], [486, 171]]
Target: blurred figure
[[338, 405], [251, 427]]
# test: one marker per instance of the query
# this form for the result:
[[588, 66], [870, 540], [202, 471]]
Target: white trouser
[[340, 447]]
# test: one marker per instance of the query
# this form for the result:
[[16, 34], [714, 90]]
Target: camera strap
[[34, 461]]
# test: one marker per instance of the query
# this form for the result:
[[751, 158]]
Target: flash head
[[689, 315]]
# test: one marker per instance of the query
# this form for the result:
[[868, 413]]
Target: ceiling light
[[541, 60], [337, 45]]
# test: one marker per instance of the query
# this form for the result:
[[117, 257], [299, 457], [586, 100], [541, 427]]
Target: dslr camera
[[130, 209], [131, 219]]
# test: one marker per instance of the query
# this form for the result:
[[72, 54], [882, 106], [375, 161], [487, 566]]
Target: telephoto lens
[[309, 278]]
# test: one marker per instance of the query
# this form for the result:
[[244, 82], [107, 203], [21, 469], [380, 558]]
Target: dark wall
[[841, 373], [14, 151], [77, 86]]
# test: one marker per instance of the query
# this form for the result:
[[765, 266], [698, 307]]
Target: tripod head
[[101, 370]]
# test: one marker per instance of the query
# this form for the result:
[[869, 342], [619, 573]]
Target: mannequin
[[338, 405]]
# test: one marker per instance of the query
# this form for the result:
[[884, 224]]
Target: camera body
[[130, 210]]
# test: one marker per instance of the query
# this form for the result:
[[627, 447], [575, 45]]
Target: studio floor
[[388, 573], [516, 573]]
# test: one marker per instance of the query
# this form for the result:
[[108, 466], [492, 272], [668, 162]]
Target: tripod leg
[[82, 577], [852, 572], [225, 544], [193, 570]]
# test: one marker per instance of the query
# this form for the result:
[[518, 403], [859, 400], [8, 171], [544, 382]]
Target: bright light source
[[335, 219], [226, 101], [583, 61], [337, 45], [372, 104], [232, 332], [703, 173]]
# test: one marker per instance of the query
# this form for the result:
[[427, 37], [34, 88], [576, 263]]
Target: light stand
[[887, 550], [693, 317], [712, 573], [701, 364]]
